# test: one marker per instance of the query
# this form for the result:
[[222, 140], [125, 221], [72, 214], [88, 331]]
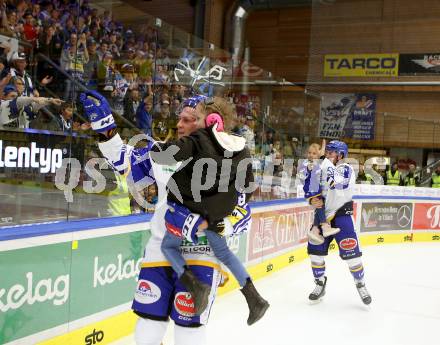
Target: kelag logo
[[361, 65], [94, 337]]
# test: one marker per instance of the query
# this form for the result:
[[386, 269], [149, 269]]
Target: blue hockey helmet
[[193, 101], [190, 102], [337, 146]]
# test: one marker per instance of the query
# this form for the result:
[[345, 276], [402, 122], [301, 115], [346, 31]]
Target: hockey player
[[338, 181], [312, 189], [214, 204], [159, 294]]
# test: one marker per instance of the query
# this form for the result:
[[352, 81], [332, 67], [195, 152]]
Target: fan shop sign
[[361, 65], [276, 231], [426, 216]]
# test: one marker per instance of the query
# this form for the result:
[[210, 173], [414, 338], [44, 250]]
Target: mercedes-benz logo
[[404, 216]]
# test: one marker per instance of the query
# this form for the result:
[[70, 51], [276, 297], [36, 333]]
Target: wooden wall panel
[[279, 41], [178, 13]]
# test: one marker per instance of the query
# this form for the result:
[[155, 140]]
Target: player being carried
[[311, 171]]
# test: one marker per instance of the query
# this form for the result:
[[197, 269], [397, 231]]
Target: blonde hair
[[315, 146], [220, 106]]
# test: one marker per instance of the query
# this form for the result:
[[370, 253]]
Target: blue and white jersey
[[338, 186], [310, 173], [143, 171]]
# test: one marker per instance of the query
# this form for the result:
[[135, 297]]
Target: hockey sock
[[356, 269], [318, 266]]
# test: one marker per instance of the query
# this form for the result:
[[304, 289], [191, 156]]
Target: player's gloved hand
[[98, 111], [240, 219]]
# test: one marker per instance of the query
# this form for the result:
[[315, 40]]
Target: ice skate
[[327, 230], [257, 304], [314, 236], [319, 290], [198, 290], [363, 293]]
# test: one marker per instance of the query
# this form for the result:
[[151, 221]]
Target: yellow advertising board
[[361, 65]]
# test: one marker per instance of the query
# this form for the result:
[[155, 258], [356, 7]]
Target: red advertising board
[[275, 231], [426, 216]]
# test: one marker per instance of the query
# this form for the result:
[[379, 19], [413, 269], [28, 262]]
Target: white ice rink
[[404, 281]]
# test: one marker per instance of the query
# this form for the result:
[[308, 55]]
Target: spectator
[[296, 147], [362, 177], [106, 72], [163, 125], [103, 49], [15, 109], [144, 120], [127, 71], [129, 58], [73, 59], [288, 149], [9, 92], [412, 179], [68, 29], [435, 178], [91, 67], [29, 29], [9, 23], [393, 177], [64, 123], [247, 132], [50, 45], [4, 82], [18, 69], [132, 101], [277, 158]]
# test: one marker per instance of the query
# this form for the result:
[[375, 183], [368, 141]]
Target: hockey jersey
[[141, 172], [338, 184]]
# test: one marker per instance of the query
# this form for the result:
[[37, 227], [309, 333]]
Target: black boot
[[257, 304], [198, 290]]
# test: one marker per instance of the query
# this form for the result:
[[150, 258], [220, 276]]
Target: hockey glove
[[98, 111]]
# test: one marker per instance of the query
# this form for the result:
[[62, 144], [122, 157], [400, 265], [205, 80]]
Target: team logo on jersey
[[184, 304], [176, 231], [348, 243], [147, 292]]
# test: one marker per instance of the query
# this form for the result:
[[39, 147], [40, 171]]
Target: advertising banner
[[361, 65], [414, 64], [335, 109], [386, 216], [238, 245], [360, 122], [276, 231], [52, 285], [426, 217], [347, 115]]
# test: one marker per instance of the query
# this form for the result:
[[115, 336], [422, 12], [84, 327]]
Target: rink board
[[72, 283]]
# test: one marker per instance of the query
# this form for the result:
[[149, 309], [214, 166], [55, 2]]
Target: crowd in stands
[[68, 45], [134, 69]]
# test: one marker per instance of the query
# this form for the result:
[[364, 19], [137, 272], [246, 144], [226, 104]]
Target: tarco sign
[[426, 217], [361, 65], [275, 231]]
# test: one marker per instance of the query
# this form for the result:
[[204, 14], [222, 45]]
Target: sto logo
[[348, 244]]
